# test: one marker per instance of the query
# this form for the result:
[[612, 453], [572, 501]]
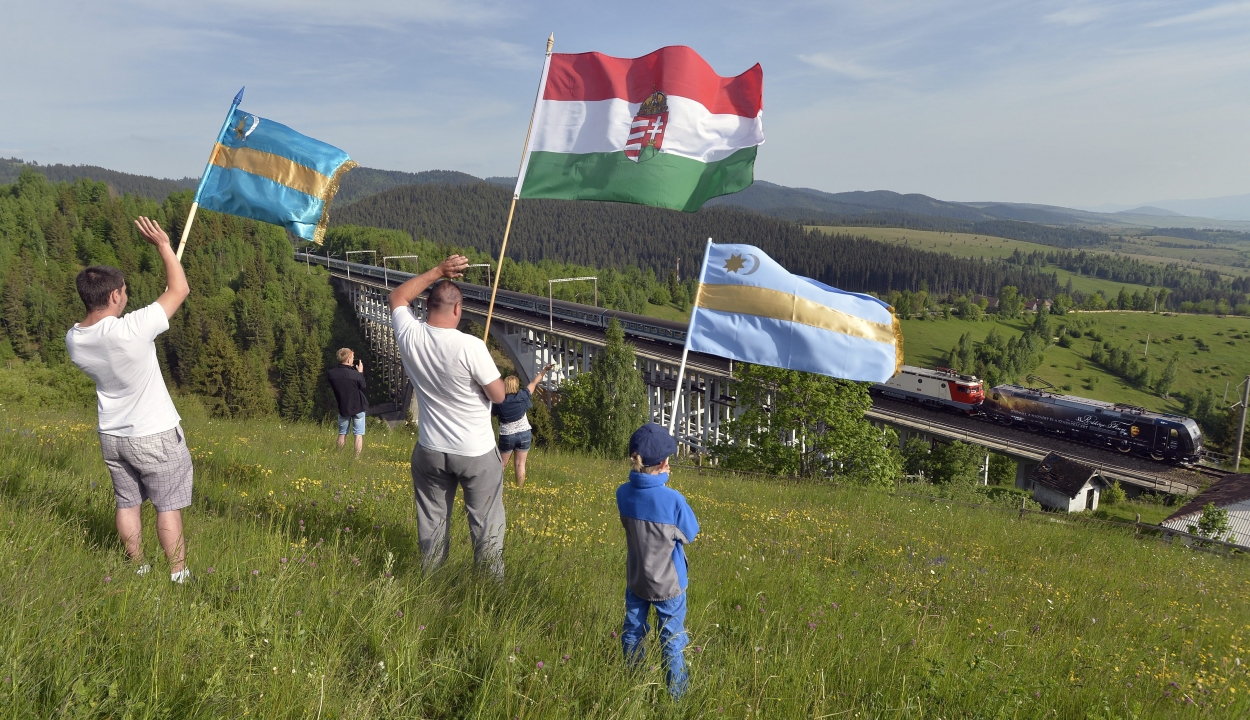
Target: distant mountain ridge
[[873, 207], [119, 182]]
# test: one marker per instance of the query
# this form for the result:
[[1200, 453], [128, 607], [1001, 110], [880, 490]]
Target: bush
[[33, 384], [797, 423], [1114, 495]]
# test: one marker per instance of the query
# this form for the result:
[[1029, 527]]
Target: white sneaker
[[181, 576], [143, 570]]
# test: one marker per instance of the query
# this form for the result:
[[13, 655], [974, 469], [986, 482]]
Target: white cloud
[[1076, 15], [336, 13], [839, 66], [1216, 12]]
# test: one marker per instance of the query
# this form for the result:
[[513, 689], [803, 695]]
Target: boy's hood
[[643, 480]]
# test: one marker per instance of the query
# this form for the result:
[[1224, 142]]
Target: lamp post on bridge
[[551, 324], [416, 260], [485, 265], [348, 256]]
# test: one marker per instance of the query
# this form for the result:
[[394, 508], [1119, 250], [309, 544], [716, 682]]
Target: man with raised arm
[[456, 381], [140, 436]]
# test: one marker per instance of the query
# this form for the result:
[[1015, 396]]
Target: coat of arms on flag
[[646, 132]]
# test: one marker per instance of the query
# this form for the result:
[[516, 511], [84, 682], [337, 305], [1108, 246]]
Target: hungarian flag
[[663, 129]]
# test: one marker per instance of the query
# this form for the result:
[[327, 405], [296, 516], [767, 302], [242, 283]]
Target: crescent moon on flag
[[252, 129], [754, 267]]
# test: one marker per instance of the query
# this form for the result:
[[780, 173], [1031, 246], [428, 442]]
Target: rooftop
[[1064, 475], [1229, 490]]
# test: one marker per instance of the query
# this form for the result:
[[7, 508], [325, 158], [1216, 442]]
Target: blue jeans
[[520, 441], [356, 421], [672, 618]]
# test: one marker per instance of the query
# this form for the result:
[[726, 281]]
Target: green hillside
[[805, 600], [1212, 354]]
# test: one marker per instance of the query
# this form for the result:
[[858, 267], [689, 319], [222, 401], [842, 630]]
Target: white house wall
[[1054, 499], [1238, 521]]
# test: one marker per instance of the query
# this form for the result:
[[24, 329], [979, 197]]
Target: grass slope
[[1211, 354], [806, 601]]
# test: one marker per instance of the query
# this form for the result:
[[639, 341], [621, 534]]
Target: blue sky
[[1073, 103]]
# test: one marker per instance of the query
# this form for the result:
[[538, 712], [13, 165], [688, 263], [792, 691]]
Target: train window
[[997, 397], [1174, 434], [943, 384], [919, 380]]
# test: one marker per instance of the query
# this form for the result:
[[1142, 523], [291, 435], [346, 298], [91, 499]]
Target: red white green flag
[[663, 129]]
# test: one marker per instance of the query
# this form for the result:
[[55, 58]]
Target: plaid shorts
[[152, 467]]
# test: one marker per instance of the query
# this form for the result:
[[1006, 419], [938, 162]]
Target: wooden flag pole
[[186, 228], [503, 249], [195, 204], [681, 372]]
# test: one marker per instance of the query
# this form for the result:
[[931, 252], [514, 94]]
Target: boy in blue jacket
[[657, 522]]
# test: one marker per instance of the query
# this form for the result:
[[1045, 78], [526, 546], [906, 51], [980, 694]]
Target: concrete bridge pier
[[1024, 469]]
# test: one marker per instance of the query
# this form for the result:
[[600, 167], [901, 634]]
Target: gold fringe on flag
[[898, 342], [328, 197]]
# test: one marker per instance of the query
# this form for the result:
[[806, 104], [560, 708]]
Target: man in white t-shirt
[[456, 381], [140, 437]]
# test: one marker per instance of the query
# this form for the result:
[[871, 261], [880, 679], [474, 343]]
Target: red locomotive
[[941, 387]]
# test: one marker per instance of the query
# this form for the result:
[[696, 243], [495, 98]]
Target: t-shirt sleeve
[[481, 365], [146, 323], [403, 322]]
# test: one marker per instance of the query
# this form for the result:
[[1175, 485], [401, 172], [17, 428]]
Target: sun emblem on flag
[[646, 132], [241, 131]]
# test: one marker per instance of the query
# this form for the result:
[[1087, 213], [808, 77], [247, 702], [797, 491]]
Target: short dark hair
[[444, 294], [96, 283]]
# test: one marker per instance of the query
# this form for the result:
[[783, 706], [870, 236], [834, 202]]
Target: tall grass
[[805, 601]]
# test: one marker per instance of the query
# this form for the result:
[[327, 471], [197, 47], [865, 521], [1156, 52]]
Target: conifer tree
[[618, 394], [1168, 377], [599, 410]]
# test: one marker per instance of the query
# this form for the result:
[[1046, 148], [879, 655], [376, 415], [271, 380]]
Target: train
[[1128, 429], [938, 388]]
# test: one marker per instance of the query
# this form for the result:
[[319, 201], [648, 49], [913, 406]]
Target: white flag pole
[[681, 372], [195, 204], [520, 179]]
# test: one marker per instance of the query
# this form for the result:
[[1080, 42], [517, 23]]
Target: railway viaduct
[[533, 339]]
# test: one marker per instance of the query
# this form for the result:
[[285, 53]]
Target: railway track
[[1130, 469]]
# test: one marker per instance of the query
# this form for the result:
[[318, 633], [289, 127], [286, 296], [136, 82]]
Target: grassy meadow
[[1212, 354], [805, 600]]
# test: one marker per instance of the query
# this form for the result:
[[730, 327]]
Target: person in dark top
[[347, 379], [514, 427]]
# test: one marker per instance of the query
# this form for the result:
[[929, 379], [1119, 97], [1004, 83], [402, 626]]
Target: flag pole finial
[[551, 40], [239, 97]]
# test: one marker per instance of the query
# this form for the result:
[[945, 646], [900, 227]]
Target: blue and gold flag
[[266, 171], [751, 309]]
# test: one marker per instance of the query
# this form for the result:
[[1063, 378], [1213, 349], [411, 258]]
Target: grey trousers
[[435, 476]]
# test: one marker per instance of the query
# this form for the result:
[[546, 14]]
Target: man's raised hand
[[151, 232], [454, 266]]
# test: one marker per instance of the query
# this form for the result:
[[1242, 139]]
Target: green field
[[805, 600], [1225, 361], [668, 312]]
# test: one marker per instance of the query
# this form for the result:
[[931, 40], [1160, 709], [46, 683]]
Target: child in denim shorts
[[515, 435]]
